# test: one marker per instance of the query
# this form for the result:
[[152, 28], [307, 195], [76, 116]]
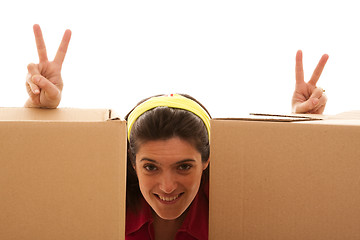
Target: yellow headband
[[172, 101]]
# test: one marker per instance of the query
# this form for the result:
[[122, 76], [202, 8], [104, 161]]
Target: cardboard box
[[62, 174], [285, 179]]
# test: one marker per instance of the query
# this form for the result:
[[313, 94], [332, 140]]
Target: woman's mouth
[[168, 200]]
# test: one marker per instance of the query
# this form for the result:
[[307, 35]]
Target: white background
[[234, 56]]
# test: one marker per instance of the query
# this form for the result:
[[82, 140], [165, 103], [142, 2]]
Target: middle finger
[[60, 55], [318, 70]]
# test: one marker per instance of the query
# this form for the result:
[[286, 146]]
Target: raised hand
[[43, 81], [308, 98]]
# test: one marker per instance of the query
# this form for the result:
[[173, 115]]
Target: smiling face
[[169, 173]]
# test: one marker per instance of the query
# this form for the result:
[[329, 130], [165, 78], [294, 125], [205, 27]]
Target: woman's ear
[[206, 164], [133, 163], [131, 160]]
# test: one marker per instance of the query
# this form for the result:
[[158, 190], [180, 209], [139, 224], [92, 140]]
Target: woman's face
[[169, 173]]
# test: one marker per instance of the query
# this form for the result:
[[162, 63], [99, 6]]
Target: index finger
[[40, 44], [60, 55], [318, 70], [299, 70]]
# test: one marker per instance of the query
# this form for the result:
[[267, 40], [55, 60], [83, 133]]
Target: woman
[[168, 150], [168, 157]]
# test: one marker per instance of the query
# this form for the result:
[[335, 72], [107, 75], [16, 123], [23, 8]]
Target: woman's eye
[[150, 167], [184, 167]]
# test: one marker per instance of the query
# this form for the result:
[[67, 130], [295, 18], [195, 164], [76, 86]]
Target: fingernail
[[36, 91], [36, 79]]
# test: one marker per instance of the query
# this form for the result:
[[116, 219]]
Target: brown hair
[[162, 123]]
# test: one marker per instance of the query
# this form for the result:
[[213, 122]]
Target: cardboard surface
[[62, 174], [56, 115], [285, 180]]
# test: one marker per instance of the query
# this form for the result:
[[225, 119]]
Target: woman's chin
[[168, 215]]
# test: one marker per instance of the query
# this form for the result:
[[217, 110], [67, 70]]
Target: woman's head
[[169, 173], [168, 153]]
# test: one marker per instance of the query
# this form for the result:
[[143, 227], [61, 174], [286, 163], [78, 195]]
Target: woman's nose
[[168, 183]]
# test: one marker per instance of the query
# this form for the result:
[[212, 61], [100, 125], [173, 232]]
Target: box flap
[[275, 117], [351, 115], [113, 115], [59, 114], [351, 118]]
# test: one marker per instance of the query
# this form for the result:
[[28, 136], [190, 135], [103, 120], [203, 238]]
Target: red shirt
[[195, 226]]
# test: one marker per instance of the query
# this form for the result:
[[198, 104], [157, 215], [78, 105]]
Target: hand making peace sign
[[43, 81], [308, 98]]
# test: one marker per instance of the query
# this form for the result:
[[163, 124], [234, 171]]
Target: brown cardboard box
[[62, 174], [285, 180]]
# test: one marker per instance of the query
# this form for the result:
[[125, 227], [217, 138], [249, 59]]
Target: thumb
[[306, 106], [310, 104], [51, 91]]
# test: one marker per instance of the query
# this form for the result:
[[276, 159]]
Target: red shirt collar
[[196, 223]]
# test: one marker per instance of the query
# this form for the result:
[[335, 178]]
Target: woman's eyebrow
[[148, 159], [185, 161], [179, 162]]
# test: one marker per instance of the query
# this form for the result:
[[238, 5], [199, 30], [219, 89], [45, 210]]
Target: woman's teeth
[[169, 199]]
